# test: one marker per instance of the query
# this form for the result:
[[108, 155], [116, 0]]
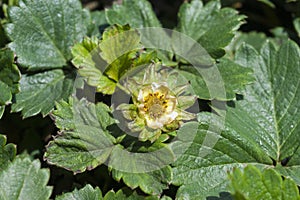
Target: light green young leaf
[[86, 193], [24, 179], [136, 13], [268, 111], [118, 48], [40, 91], [42, 32], [252, 184], [152, 183], [126, 194], [233, 78], [209, 25], [103, 63], [91, 65], [7, 153], [85, 141]]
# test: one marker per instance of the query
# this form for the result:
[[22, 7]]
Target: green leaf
[[139, 14], [2, 108], [42, 32], [3, 38], [126, 194], [136, 13], [9, 73], [255, 39], [103, 63], [150, 182], [7, 153], [296, 23], [221, 82], [260, 129], [202, 169], [9, 78], [40, 91], [274, 97], [86, 193], [91, 65], [255, 185], [267, 2], [97, 23], [85, 142], [209, 25], [5, 95], [24, 179], [119, 46]]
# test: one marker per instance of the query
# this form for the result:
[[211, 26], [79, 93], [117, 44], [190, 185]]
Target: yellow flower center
[[155, 104]]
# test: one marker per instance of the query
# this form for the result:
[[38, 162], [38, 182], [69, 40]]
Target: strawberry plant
[[126, 101]]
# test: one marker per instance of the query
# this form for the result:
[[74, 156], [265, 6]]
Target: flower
[[159, 103]]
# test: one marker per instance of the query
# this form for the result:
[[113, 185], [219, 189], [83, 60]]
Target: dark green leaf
[[40, 91], [209, 25], [3, 38], [5, 95], [97, 23], [255, 39], [296, 23], [268, 185], [150, 182], [9, 78], [260, 129], [86, 193], [9, 73], [137, 13], [24, 179], [221, 82], [7, 153], [126, 194], [273, 98], [84, 143], [42, 32], [202, 169]]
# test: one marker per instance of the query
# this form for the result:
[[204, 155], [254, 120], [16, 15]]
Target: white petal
[[168, 118], [155, 124]]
